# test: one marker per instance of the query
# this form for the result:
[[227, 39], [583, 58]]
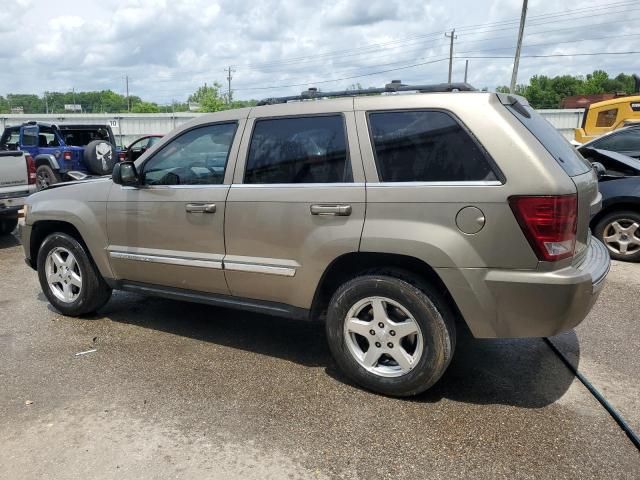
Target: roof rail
[[394, 86]]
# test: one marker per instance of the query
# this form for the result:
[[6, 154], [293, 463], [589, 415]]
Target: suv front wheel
[[390, 336], [68, 277]]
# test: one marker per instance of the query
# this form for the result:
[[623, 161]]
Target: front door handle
[[337, 210], [201, 208]]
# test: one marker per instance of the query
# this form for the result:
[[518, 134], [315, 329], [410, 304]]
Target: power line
[[436, 61]]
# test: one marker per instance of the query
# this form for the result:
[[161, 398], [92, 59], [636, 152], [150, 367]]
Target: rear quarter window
[[426, 146], [567, 157]]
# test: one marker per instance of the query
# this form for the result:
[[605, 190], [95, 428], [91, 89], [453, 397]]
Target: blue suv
[[60, 150]]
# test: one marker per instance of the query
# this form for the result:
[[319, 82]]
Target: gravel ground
[[178, 390]]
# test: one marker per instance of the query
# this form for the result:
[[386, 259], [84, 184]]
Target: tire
[[400, 295], [45, 176], [99, 157], [620, 232], [89, 296], [8, 225]]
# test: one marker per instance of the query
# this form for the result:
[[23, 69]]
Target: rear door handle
[[336, 210], [201, 208]]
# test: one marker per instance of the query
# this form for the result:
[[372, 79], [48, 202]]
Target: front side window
[[299, 150], [426, 146], [627, 140], [606, 118], [197, 157], [10, 138]]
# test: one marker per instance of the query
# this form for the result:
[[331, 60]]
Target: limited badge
[[635, 106]]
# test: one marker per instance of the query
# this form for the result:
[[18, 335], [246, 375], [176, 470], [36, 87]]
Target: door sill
[[227, 301]]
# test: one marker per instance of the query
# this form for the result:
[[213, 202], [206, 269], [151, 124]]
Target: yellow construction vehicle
[[603, 117]]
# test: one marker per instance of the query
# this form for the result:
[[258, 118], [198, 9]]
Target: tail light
[[31, 170], [549, 223], [67, 156], [122, 156]]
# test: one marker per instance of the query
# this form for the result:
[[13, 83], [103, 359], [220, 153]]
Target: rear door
[[170, 230], [296, 204], [29, 139]]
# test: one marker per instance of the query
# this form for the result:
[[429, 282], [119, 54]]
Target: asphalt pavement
[[179, 390]]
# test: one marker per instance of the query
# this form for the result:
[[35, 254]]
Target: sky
[[168, 48]]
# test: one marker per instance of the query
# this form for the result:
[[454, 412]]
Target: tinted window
[[298, 150], [567, 157], [425, 146], [626, 140], [197, 157]]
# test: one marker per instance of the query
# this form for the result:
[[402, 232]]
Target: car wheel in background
[[68, 277], [390, 334], [620, 232], [45, 176]]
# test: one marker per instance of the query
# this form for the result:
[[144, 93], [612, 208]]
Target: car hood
[[630, 162]]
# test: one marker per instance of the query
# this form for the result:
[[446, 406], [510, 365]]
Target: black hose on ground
[[633, 436]]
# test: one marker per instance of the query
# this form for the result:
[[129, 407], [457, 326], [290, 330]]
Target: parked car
[[387, 217], [17, 182], [618, 223], [625, 141], [139, 146], [60, 149]]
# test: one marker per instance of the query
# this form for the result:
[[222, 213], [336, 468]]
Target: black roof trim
[[394, 86]]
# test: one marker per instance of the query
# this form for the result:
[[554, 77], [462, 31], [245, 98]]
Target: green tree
[[145, 107], [209, 98]]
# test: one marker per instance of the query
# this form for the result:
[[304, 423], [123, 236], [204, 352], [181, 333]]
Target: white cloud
[[168, 48]]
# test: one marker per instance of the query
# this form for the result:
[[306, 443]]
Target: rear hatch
[[14, 176], [575, 166]]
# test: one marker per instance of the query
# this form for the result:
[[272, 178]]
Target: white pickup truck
[[17, 182]]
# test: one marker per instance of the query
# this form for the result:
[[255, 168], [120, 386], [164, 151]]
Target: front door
[[169, 231], [297, 203]]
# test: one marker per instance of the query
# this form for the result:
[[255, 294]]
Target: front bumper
[[520, 303]]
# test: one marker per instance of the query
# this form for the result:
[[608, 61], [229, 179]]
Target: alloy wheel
[[63, 275], [622, 236], [383, 337]]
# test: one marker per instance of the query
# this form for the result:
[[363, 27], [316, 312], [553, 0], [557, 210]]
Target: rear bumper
[[516, 303]]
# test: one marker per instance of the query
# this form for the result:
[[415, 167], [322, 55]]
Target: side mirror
[[125, 173], [599, 168]]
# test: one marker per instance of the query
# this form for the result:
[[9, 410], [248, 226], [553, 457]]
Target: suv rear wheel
[[620, 232], [68, 277], [390, 336], [45, 176]]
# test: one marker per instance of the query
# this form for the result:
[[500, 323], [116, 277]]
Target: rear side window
[[569, 159], [298, 150], [426, 146], [30, 137]]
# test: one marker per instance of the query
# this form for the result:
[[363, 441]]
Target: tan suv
[[386, 216]]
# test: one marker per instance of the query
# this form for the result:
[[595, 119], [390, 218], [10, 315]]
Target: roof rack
[[394, 86]]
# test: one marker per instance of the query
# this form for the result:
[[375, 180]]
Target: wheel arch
[[46, 159], [626, 203], [350, 265]]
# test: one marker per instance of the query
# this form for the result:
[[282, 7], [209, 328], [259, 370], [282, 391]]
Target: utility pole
[[229, 77], [46, 103], [452, 36], [466, 70], [126, 82], [516, 61]]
